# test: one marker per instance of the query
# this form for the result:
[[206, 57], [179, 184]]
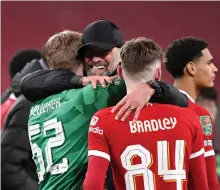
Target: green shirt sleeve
[[110, 95]]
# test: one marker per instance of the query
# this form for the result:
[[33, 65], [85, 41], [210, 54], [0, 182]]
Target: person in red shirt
[[190, 63], [6, 106], [159, 150]]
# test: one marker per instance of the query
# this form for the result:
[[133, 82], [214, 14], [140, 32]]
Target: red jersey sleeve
[[198, 139], [197, 169], [207, 126], [96, 172], [97, 138]]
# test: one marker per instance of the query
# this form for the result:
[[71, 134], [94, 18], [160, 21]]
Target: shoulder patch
[[206, 125], [116, 81], [94, 120]]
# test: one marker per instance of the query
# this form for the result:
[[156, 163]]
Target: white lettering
[[152, 125], [147, 126], [53, 105], [96, 130], [133, 128], [45, 107], [166, 123], [173, 121], [160, 125], [140, 127], [37, 110], [57, 103]]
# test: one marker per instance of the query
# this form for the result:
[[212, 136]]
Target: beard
[[98, 69], [97, 72]]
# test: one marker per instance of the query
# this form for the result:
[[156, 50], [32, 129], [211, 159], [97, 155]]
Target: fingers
[[84, 81], [127, 113], [126, 110], [99, 79], [113, 77], [93, 84], [118, 105], [102, 82], [108, 80], [137, 113], [122, 110], [135, 100]]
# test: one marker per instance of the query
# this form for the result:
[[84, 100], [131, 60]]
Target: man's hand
[[134, 101], [96, 79]]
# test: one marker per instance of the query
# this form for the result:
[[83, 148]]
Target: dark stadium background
[[29, 24]]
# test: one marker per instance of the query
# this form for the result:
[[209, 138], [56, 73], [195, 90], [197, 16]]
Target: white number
[[178, 174], [138, 169], [34, 130], [53, 142]]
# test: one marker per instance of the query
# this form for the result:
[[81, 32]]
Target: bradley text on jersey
[[152, 125]]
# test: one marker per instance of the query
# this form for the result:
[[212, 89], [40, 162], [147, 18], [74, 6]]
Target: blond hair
[[61, 50]]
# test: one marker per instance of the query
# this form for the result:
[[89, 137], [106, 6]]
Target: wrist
[[156, 89], [77, 80], [152, 91]]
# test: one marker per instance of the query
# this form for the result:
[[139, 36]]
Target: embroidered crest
[[206, 125]]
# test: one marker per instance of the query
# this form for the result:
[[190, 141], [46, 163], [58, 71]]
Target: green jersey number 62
[[52, 142]]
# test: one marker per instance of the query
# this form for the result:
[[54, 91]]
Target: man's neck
[[132, 85], [188, 86], [132, 81]]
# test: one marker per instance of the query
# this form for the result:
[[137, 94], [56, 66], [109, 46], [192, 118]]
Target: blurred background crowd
[[26, 26]]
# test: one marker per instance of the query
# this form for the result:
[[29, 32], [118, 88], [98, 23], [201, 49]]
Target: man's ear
[[158, 74], [119, 71], [190, 69]]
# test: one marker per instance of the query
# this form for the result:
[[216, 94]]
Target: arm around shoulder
[[43, 83], [167, 94]]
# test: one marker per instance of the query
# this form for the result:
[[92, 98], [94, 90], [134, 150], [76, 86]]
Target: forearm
[[167, 94], [49, 82]]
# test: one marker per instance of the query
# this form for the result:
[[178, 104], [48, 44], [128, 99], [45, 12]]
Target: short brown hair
[[139, 53], [61, 50]]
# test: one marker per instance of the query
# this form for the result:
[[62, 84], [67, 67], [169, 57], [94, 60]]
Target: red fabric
[[211, 173], [5, 107], [208, 145], [200, 111], [96, 172], [134, 148], [198, 166]]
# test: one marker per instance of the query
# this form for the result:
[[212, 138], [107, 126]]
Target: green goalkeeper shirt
[[58, 132]]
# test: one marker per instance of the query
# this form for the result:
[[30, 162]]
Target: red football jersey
[[155, 152], [207, 126], [206, 122], [5, 107]]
